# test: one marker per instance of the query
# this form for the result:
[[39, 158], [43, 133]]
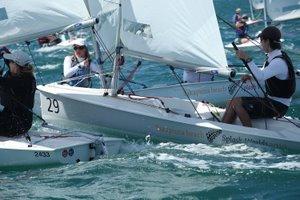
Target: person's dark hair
[[26, 70], [272, 34], [273, 44]]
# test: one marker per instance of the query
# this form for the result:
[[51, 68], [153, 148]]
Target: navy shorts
[[258, 107]]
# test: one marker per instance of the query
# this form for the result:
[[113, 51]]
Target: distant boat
[[256, 5], [21, 22], [280, 11], [54, 148]]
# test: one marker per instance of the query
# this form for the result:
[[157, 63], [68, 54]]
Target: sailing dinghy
[[280, 11], [256, 5], [21, 22], [167, 119], [48, 148], [247, 45]]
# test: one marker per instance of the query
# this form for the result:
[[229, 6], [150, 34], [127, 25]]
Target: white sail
[[26, 20], [279, 10], [185, 32], [106, 12], [257, 4]]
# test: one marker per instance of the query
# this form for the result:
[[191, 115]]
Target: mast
[[116, 67], [265, 13], [251, 9]]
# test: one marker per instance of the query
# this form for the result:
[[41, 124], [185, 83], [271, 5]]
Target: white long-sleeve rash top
[[277, 67], [69, 71]]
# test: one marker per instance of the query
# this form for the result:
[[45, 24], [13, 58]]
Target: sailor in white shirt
[[78, 65], [279, 77]]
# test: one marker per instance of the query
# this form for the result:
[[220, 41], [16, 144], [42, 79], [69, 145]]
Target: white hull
[[255, 21], [143, 117], [248, 45], [55, 148], [215, 92], [251, 44]]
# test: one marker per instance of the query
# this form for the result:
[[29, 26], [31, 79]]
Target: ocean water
[[166, 170]]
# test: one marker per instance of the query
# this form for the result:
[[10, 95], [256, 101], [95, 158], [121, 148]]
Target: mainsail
[[184, 34], [279, 10], [26, 20]]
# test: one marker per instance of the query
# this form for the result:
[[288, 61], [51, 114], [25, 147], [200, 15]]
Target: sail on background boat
[[22, 21], [279, 10], [257, 4]]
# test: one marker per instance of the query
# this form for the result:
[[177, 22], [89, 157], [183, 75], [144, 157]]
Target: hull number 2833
[[53, 105]]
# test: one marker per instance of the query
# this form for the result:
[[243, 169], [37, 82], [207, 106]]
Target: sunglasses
[[79, 47]]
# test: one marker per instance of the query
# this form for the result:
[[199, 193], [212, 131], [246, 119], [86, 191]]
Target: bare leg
[[244, 40], [242, 113], [229, 115], [234, 109]]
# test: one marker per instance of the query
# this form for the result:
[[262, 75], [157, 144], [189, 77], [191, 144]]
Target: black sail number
[[53, 105]]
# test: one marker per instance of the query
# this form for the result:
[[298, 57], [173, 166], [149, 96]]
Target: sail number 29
[[53, 105]]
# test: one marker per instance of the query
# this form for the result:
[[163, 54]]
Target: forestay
[[279, 10], [257, 4], [26, 20]]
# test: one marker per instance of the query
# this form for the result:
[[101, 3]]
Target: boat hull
[[53, 149], [127, 117], [216, 92]]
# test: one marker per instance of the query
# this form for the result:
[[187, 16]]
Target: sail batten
[[27, 20]]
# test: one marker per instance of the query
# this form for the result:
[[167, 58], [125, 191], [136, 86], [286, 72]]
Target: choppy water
[[166, 170]]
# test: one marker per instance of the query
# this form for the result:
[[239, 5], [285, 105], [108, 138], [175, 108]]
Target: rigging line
[[256, 44], [24, 106], [38, 70], [254, 77], [179, 81], [261, 101], [127, 84], [239, 87], [110, 57], [126, 81], [136, 100], [90, 75], [247, 66], [103, 45], [233, 81], [137, 83], [211, 112]]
